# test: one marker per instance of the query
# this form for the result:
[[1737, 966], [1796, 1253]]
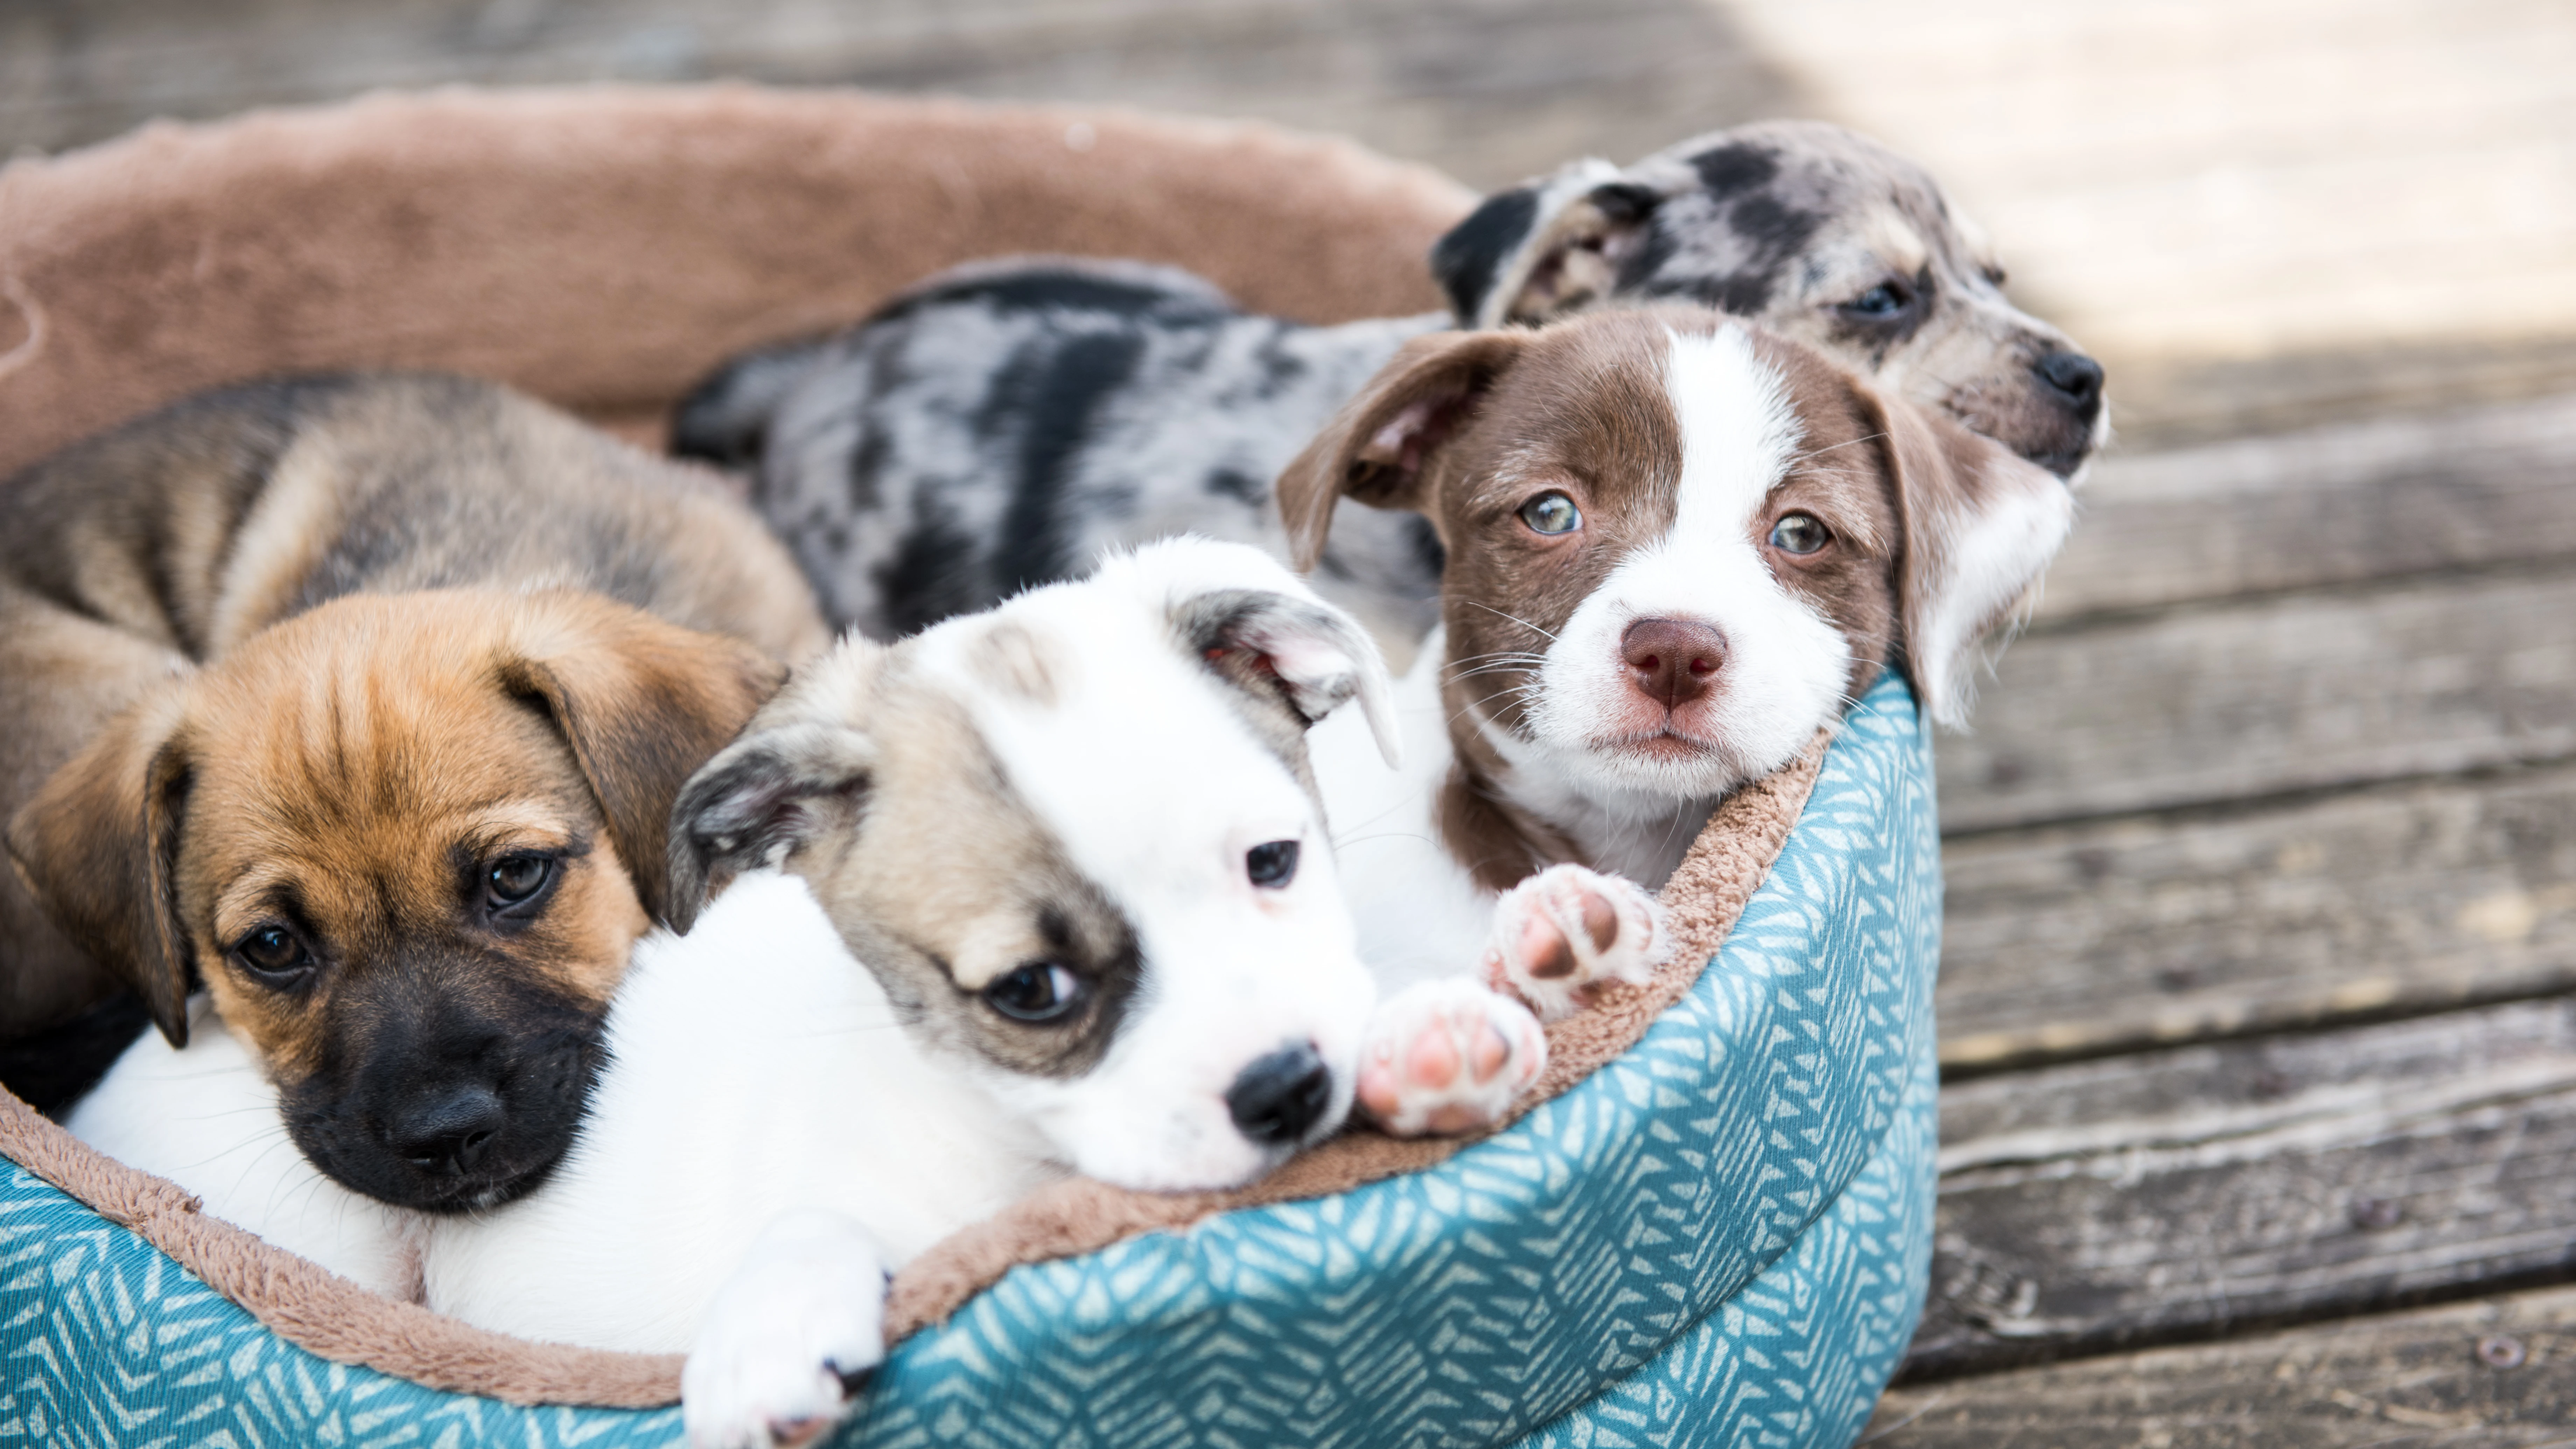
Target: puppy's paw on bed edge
[[1446, 1057], [1564, 932], [788, 1339]]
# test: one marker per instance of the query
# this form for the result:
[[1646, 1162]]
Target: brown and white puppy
[[169, 545], [1678, 546]]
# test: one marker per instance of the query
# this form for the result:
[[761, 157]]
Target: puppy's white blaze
[[1785, 663], [1986, 569], [1738, 430]]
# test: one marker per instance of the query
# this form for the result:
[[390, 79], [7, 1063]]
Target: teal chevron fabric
[[1721, 1238]]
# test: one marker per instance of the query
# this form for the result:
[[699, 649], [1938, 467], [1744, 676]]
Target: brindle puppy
[[130, 563]]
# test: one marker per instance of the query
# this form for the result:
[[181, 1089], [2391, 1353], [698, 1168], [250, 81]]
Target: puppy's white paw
[[788, 1339], [1562, 933], [1445, 1057]]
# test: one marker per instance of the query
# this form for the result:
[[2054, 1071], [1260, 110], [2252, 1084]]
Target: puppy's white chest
[[205, 1118], [1420, 915]]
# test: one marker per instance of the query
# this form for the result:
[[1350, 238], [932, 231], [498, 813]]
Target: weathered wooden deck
[[2259, 999]]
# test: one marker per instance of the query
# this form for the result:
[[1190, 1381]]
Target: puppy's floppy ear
[[772, 788], [1379, 447], [1544, 248], [801, 770], [1980, 525], [1293, 647], [643, 703], [98, 846]]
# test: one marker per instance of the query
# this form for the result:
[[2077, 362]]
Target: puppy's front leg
[[1562, 934], [789, 1338]]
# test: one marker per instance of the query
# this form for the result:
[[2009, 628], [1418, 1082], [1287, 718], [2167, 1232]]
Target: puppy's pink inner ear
[[1394, 455], [1302, 660], [1400, 441]]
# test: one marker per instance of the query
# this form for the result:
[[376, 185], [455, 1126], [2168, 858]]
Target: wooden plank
[[1490, 90], [2200, 182], [2493, 1373], [2119, 934], [2178, 1194], [2174, 402], [2168, 214], [2322, 506], [2294, 692]]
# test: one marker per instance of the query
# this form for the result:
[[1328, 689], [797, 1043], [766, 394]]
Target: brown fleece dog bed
[[604, 248]]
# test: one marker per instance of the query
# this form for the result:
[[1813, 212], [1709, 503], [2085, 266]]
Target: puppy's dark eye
[[273, 952], [514, 880], [1995, 275], [1551, 514], [1038, 991], [1882, 301], [1272, 863], [1799, 533]]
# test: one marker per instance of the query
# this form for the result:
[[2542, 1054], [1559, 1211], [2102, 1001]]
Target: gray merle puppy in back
[[998, 426]]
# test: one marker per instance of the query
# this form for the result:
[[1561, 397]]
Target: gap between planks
[[2187, 1193], [2497, 1373], [2302, 612], [2116, 935], [2301, 793]]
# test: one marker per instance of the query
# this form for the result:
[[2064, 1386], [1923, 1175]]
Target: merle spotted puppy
[[1001, 424]]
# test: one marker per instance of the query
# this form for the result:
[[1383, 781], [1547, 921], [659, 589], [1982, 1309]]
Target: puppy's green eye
[[1799, 533], [1039, 991], [272, 951], [1551, 514], [513, 879]]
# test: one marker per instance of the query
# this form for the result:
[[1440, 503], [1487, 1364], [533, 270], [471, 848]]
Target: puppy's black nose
[[1672, 661], [1278, 1097], [2074, 377], [448, 1130]]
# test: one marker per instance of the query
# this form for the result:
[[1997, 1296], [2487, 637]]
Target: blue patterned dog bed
[[1720, 1238]]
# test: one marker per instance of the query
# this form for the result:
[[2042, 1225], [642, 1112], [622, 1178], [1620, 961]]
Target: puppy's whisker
[[1811, 454], [1460, 669], [842, 1031], [1507, 667], [1418, 835], [1497, 654], [1514, 618]]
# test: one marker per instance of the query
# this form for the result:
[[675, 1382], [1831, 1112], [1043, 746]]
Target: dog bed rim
[[338, 1320]]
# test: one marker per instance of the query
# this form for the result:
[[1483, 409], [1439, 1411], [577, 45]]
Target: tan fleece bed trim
[[603, 248], [338, 1320]]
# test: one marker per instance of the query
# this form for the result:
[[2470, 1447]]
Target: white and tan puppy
[[1678, 546], [1076, 842]]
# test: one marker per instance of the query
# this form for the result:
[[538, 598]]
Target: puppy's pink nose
[[1672, 661]]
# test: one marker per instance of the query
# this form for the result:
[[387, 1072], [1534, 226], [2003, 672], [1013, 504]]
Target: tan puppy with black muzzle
[[360, 703]]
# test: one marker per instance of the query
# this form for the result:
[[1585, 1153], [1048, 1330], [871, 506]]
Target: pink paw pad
[[1563, 934], [1448, 1057]]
